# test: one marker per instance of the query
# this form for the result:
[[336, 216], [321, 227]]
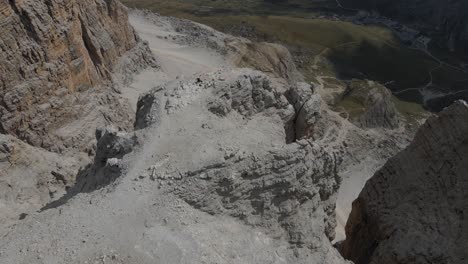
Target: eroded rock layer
[[414, 209], [50, 50]]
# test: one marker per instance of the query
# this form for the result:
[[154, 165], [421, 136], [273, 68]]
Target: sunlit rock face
[[51, 50]]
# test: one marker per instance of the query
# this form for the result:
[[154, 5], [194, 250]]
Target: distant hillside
[[447, 19]]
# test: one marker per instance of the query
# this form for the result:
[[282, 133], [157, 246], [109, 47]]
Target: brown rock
[[50, 51]]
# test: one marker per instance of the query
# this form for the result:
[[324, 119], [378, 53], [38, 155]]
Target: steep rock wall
[[50, 49], [414, 209]]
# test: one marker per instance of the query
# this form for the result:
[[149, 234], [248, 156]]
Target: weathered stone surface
[[112, 145], [248, 93], [291, 192], [311, 112], [148, 109], [412, 210], [380, 110], [51, 51], [370, 105]]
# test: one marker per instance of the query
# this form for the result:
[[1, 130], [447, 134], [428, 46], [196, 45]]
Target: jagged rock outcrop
[[112, 145], [370, 105], [449, 19], [380, 110], [51, 51], [312, 119], [289, 191], [414, 209], [248, 93], [149, 109]]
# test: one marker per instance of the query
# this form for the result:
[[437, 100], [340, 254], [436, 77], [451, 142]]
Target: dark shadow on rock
[[112, 146]]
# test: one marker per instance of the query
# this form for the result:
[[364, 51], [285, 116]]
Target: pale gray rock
[[380, 110], [311, 112], [289, 191], [248, 92], [412, 210]]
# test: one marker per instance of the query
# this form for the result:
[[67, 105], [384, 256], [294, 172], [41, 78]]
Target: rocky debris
[[249, 92], [246, 91], [411, 211], [53, 52], [31, 177]]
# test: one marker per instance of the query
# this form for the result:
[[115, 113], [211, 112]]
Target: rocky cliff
[[51, 52], [447, 19], [62, 66], [414, 209]]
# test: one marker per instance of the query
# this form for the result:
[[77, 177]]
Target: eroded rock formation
[[62, 65], [370, 105], [289, 191], [51, 51], [414, 209]]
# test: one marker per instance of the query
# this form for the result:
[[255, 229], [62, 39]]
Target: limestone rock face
[[290, 192], [412, 210], [51, 50], [370, 105], [381, 111], [248, 94], [312, 118]]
